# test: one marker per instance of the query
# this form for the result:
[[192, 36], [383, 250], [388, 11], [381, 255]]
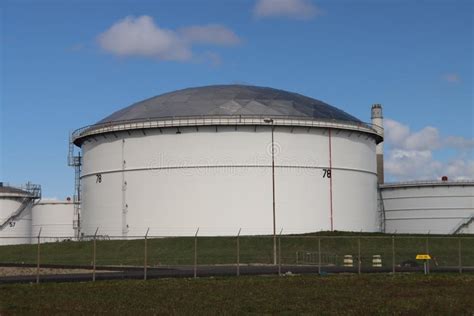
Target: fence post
[[459, 254], [279, 252], [238, 252], [195, 253], [358, 256], [38, 258], [94, 254], [145, 264], [319, 255], [427, 248], [393, 254]]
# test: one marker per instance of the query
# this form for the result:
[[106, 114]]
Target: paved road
[[118, 273]]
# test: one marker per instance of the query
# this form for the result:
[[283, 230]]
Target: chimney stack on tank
[[377, 120]]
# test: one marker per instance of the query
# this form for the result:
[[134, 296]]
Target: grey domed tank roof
[[229, 100]]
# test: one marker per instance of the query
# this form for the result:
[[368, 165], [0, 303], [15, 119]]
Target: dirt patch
[[15, 271]]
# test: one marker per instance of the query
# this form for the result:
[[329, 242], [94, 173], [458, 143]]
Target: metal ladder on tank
[[381, 207], [465, 222], [75, 161]]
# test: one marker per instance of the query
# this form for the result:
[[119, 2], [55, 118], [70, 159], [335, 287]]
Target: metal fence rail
[[152, 256]]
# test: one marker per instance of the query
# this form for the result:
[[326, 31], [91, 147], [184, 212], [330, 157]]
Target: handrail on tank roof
[[200, 120], [427, 182], [33, 190]]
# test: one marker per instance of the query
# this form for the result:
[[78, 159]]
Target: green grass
[[222, 250], [382, 294]]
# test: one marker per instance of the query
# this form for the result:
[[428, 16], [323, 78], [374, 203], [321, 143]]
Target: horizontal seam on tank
[[223, 166]]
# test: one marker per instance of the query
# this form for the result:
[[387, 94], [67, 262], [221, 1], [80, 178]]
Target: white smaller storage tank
[[54, 218], [15, 213], [429, 207]]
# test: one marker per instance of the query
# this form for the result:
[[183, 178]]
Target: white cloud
[[395, 132], [299, 9], [410, 155], [400, 135], [461, 169], [210, 34], [452, 78], [458, 142], [140, 36], [411, 164]]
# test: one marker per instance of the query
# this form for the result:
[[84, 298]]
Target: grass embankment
[[223, 250], [380, 294]]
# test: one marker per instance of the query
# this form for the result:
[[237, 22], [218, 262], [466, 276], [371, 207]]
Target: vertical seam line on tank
[[124, 202], [330, 180]]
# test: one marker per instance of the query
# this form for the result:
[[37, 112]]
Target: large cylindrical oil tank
[[15, 213], [54, 218], [224, 158], [429, 207]]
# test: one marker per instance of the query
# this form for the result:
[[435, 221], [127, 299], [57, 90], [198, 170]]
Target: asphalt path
[[122, 273]]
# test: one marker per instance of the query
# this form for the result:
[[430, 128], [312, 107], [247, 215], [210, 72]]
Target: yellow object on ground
[[423, 257]]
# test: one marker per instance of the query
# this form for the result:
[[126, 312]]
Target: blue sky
[[61, 69]]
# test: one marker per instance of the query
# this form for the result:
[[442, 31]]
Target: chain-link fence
[[104, 257]]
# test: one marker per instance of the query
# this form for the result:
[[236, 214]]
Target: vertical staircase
[[465, 222], [76, 162], [381, 209]]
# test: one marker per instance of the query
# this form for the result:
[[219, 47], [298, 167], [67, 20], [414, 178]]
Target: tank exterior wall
[[54, 218], [17, 231], [220, 180], [438, 209]]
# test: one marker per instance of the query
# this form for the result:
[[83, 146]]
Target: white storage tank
[[221, 158], [15, 212], [429, 207], [54, 218]]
